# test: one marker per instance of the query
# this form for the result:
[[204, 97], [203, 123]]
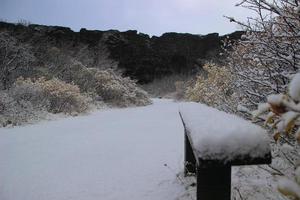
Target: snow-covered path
[[108, 155]]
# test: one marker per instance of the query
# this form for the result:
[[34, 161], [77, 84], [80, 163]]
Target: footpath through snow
[[130, 154], [108, 155]]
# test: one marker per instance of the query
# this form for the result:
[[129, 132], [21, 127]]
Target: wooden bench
[[215, 141]]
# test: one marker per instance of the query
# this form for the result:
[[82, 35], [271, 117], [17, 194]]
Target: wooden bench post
[[214, 183]]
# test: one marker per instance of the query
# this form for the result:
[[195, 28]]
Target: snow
[[262, 107], [218, 135], [242, 108], [288, 117], [134, 153], [111, 155], [294, 89], [275, 99]]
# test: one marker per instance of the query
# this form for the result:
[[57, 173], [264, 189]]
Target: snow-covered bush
[[63, 97], [264, 61], [120, 91], [282, 111], [29, 100], [269, 52], [17, 112], [282, 114], [109, 87], [29, 91], [214, 88]]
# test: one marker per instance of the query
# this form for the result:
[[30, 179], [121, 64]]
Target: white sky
[[153, 17]]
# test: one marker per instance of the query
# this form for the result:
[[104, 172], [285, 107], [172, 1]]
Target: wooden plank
[[238, 161]]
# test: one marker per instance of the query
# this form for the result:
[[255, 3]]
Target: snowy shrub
[[264, 61], [27, 90], [282, 114], [269, 52], [62, 97], [214, 88], [118, 90], [110, 87], [14, 112], [282, 111], [29, 100]]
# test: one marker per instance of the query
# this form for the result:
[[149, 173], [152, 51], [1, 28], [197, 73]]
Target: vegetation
[[56, 83], [29, 100], [261, 74], [214, 87], [262, 67]]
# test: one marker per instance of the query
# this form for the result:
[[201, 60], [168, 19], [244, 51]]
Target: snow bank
[[222, 136]]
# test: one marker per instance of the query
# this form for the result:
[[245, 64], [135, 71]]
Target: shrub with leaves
[[282, 113], [214, 88]]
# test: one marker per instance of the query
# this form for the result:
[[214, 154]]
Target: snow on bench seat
[[222, 137]]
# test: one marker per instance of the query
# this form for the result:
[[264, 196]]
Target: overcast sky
[[153, 17]]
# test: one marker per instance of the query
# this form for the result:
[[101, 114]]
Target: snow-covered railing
[[215, 141]]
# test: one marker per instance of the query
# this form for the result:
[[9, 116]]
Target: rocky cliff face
[[135, 54]]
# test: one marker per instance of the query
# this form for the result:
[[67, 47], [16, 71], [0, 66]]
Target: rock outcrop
[[136, 55]]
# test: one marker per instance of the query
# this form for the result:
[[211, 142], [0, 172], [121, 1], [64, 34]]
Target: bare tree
[[14, 57], [269, 52]]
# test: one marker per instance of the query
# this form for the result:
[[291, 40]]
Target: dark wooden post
[[189, 157], [214, 183]]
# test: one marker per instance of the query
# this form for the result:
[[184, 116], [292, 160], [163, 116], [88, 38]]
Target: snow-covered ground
[[113, 154], [131, 154]]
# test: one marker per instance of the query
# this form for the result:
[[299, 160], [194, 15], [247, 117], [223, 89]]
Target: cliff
[[137, 55]]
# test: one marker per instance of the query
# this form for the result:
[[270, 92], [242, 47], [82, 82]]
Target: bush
[[265, 59], [18, 112], [119, 91], [29, 100], [63, 97], [214, 88], [109, 86]]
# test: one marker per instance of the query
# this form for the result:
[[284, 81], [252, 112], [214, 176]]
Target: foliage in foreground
[[260, 67], [269, 53], [282, 114]]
